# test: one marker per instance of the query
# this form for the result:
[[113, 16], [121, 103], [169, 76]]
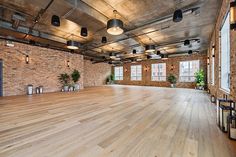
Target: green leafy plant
[[200, 78], [75, 76], [172, 79], [110, 79], [64, 79]]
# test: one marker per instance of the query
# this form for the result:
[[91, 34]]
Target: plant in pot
[[75, 77], [172, 79], [64, 79], [200, 79], [110, 79]]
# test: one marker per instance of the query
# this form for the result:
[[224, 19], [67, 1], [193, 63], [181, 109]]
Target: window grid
[[225, 54], [118, 73], [136, 72], [188, 70], [159, 72]]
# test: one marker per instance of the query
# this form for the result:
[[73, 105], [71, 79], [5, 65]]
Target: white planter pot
[[172, 85], [77, 86], [66, 88]]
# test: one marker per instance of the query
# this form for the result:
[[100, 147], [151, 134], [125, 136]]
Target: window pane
[[225, 54], [188, 70]]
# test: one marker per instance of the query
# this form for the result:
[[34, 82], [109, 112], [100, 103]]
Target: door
[[1, 77]]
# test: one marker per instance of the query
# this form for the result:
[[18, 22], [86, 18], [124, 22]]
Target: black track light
[[158, 52], [104, 40], [190, 52], [186, 42], [149, 57], [178, 15], [164, 56], [55, 21], [84, 32], [134, 51]]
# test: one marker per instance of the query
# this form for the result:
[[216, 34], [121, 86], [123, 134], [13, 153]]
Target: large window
[[159, 72], [136, 72], [225, 54], [118, 73], [213, 66], [187, 70]]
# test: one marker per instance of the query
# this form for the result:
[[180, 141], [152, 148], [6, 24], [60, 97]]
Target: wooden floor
[[112, 121]]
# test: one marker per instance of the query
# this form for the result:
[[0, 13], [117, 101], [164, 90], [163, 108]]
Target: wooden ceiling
[[145, 22]]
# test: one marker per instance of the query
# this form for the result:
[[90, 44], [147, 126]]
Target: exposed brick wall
[[146, 74], [44, 67], [95, 74], [215, 89]]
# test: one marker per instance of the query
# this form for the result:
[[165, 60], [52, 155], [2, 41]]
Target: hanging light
[[134, 51], [149, 48], [84, 32], [178, 15], [190, 52], [104, 40], [158, 52], [55, 20], [164, 56], [73, 45], [115, 26], [186, 42], [233, 15], [27, 59]]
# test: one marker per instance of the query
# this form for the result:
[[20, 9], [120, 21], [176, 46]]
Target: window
[[159, 72], [136, 72], [225, 54], [118, 73], [187, 70], [213, 66]]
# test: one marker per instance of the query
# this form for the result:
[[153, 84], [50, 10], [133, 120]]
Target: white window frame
[[225, 54], [158, 72], [118, 73], [136, 72], [187, 78]]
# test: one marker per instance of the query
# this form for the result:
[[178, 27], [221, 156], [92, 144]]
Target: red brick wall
[[95, 74], [44, 67], [215, 89], [146, 75]]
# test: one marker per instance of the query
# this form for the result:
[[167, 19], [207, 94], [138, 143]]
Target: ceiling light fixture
[[158, 52], [73, 45], [134, 51], [164, 56], [186, 42], [150, 48], [178, 15], [190, 52], [233, 15], [84, 32], [55, 21], [115, 26], [104, 40]]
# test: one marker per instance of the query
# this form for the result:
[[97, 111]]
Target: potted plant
[[75, 77], [200, 79], [172, 79], [64, 79], [110, 79]]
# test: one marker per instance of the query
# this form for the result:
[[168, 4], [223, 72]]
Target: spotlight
[[134, 51], [190, 52], [104, 40], [186, 42], [55, 21], [84, 32], [178, 15]]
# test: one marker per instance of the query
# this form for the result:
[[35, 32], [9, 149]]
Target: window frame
[[225, 54], [120, 75], [189, 71], [159, 77], [136, 76]]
